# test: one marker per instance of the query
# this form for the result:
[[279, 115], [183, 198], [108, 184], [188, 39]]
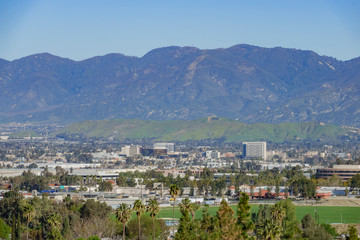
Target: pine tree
[[243, 217], [290, 224], [185, 229], [263, 213], [207, 225], [227, 227]]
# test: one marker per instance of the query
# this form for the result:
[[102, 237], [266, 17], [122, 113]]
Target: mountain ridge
[[245, 82]]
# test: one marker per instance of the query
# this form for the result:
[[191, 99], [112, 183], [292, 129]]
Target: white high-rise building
[[254, 150], [170, 147], [130, 151]]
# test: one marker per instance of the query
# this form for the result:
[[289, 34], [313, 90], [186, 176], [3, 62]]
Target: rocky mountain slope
[[248, 83]]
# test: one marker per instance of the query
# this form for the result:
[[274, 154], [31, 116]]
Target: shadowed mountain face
[[249, 83]]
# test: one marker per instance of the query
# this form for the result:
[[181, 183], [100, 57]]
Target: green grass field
[[326, 214]]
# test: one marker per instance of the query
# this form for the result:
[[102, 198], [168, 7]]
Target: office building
[[170, 147], [130, 151], [254, 150], [344, 172]]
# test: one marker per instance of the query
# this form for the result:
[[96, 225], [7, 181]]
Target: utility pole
[[340, 217], [162, 189]]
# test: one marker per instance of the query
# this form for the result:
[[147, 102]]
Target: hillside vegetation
[[200, 129]]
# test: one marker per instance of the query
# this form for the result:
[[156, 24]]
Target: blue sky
[[84, 28]]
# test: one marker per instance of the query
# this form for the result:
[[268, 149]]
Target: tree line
[[206, 183], [42, 218]]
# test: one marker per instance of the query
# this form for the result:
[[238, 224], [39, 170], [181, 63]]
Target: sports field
[[326, 214]]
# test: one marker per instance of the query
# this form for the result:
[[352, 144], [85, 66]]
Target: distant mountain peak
[[172, 51]]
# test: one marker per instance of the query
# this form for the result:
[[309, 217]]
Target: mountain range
[[243, 82]]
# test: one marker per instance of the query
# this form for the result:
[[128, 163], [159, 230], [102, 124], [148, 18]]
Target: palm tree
[[174, 191], [139, 208], [54, 223], [29, 214], [185, 206], [278, 213], [271, 229], [123, 214], [266, 230], [193, 208], [153, 208]]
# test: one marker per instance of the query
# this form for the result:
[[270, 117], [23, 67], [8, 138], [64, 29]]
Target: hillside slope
[[200, 129]]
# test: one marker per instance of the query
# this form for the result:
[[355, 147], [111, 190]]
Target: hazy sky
[[79, 29]]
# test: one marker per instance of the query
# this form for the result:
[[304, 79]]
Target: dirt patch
[[343, 228], [341, 202], [346, 202]]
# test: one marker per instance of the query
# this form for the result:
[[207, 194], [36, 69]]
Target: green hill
[[24, 134], [200, 129]]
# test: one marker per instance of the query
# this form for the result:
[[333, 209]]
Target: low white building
[[170, 147], [212, 154]]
